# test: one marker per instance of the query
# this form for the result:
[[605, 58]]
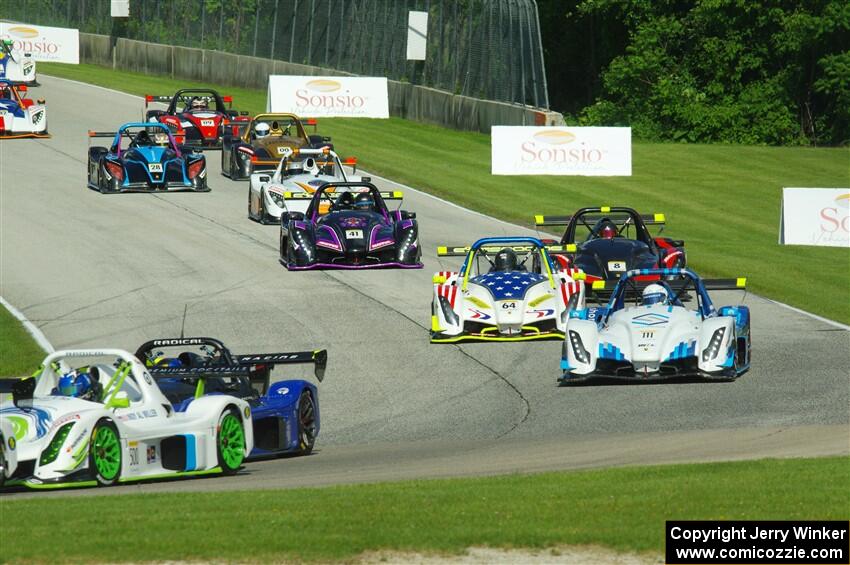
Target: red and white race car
[[198, 118]]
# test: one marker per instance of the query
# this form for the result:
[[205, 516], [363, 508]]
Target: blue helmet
[[78, 384]]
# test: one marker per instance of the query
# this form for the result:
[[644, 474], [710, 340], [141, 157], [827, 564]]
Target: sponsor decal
[[283, 390], [139, 415], [248, 411], [44, 43], [151, 454], [12, 442], [651, 319], [134, 453], [179, 341]]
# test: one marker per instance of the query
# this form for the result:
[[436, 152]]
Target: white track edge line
[[458, 206], [31, 328]]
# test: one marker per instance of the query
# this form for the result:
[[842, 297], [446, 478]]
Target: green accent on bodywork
[[107, 452], [80, 454], [47, 486], [52, 451], [199, 388], [212, 471], [19, 426], [231, 441]]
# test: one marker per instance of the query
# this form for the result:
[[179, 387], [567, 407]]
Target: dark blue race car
[[285, 414], [144, 157]]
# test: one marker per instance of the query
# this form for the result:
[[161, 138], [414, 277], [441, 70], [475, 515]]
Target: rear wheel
[[230, 442], [307, 429], [4, 465], [105, 453]]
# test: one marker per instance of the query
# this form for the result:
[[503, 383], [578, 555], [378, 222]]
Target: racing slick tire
[[230, 441], [306, 422], [105, 453], [3, 462]]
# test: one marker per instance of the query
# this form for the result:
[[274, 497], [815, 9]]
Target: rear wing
[[462, 251], [163, 99], [657, 219], [393, 195], [259, 361], [607, 287], [102, 133]]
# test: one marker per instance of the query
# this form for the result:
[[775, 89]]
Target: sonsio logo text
[[836, 218], [22, 37], [553, 146], [317, 94]]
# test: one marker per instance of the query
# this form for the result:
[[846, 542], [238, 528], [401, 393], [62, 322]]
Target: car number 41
[[354, 234]]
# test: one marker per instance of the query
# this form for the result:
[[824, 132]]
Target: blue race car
[[285, 414], [144, 157]]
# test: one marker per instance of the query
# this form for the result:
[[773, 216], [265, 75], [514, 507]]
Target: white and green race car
[[96, 417]]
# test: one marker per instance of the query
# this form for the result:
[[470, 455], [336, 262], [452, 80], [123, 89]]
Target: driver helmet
[[608, 230], [77, 384], [506, 261], [364, 201], [261, 130], [199, 104], [654, 294], [160, 138], [345, 200], [295, 167], [142, 138]]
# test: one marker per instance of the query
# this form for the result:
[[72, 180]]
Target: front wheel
[[307, 428], [230, 442], [105, 453], [3, 463]]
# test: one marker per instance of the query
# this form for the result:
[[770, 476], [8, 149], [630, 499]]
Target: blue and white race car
[[16, 65], [658, 337], [144, 157], [20, 117], [285, 414]]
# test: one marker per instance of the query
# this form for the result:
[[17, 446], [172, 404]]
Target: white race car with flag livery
[[96, 417], [16, 65], [670, 329], [298, 171], [507, 289]]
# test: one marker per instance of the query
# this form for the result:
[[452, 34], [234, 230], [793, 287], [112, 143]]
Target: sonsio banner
[[815, 216], [331, 97], [583, 151], [54, 44]]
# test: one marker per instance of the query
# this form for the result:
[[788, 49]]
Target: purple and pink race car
[[347, 225]]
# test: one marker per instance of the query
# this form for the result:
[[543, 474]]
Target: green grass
[[723, 200], [624, 509], [19, 354]]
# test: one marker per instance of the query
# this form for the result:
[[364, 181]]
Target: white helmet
[[261, 129], [654, 294]]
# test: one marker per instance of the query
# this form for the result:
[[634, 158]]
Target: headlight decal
[[713, 348], [581, 354], [52, 451]]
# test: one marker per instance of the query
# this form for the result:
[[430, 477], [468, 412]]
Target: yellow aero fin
[[477, 301], [604, 209], [659, 218], [439, 279], [199, 389], [598, 285], [538, 219], [435, 324], [571, 248], [539, 300], [741, 282], [442, 250]]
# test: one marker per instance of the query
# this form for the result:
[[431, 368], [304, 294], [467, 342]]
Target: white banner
[[815, 216], [582, 151], [54, 44], [417, 35], [329, 97]]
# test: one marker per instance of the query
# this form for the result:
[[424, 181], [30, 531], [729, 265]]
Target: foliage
[[732, 71]]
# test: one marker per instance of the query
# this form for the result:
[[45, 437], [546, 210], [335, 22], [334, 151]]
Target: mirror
[[119, 400]]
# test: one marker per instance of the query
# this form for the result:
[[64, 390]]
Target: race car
[[96, 417], [144, 157], [198, 117], [605, 242], [263, 141], [299, 170], [645, 332], [16, 66], [8, 452], [357, 232], [20, 117], [507, 289], [285, 414]]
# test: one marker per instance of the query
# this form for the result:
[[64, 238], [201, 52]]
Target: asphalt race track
[[116, 270]]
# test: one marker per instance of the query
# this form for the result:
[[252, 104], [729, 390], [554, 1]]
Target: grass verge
[[623, 509], [723, 200], [19, 353]]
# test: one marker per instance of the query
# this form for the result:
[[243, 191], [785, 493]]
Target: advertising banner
[[329, 97], [54, 44], [582, 151], [815, 216]]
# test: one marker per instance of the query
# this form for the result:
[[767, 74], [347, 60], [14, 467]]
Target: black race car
[[144, 157], [347, 225], [605, 242]]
